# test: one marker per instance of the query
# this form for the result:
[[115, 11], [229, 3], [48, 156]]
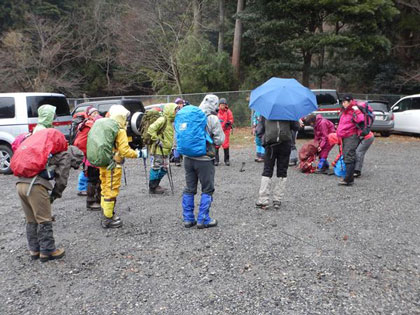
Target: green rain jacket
[[46, 115], [165, 135]]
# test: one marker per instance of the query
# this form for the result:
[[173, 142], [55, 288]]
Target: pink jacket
[[348, 119], [323, 127]]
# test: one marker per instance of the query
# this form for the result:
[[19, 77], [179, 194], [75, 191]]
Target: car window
[[383, 107], [404, 105], [34, 102], [415, 103], [7, 107], [326, 98]]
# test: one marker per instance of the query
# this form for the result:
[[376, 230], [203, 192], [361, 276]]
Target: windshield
[[379, 106], [326, 98], [62, 107]]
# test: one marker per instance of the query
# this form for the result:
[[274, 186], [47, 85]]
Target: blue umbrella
[[283, 99]]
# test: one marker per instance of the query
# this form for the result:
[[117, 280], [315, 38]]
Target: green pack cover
[[149, 118], [100, 143]]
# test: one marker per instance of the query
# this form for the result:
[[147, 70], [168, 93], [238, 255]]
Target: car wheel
[[385, 133], [6, 154]]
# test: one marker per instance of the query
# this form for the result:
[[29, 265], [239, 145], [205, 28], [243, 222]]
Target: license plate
[[380, 117]]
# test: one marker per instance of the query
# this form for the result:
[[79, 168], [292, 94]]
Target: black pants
[[349, 156], [277, 154], [197, 170]]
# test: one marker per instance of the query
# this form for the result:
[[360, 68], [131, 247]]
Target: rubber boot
[[110, 220], [203, 219], [264, 193], [227, 163], [32, 237], [278, 191], [91, 203], [188, 210], [216, 158]]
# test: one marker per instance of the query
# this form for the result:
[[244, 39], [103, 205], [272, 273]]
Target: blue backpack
[[190, 129], [340, 168]]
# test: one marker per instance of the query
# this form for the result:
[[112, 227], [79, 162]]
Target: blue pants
[[260, 148], [82, 182]]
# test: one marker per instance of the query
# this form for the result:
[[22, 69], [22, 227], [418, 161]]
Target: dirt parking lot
[[328, 250]]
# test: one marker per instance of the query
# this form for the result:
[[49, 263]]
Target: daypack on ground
[[32, 155], [277, 131], [82, 134], [340, 168], [190, 128], [19, 139], [149, 118], [77, 119], [369, 118], [307, 157], [101, 142]]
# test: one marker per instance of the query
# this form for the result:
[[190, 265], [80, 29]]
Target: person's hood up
[[76, 156], [119, 113], [209, 103], [46, 115], [169, 111]]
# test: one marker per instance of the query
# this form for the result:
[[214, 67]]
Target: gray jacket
[[214, 128]]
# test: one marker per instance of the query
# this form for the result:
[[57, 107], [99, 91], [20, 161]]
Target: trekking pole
[[145, 170], [125, 175]]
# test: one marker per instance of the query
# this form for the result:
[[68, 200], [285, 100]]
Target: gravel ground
[[328, 250]]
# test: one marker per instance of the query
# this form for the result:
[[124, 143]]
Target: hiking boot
[[344, 183], [216, 163], [321, 171], [276, 205], [111, 223], [227, 163], [259, 160], [93, 207], [178, 164], [212, 223], [189, 224], [157, 191], [292, 163], [357, 174], [34, 255], [57, 254], [82, 193]]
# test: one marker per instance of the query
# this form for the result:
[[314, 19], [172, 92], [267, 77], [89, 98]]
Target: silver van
[[19, 114]]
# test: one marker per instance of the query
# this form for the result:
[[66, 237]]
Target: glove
[[143, 153], [228, 124]]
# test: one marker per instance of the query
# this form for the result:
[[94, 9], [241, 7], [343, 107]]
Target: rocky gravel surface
[[328, 250]]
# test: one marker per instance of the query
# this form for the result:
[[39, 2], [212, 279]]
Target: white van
[[18, 114], [407, 114]]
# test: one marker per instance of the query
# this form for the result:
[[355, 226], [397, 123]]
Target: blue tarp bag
[[340, 168], [190, 129]]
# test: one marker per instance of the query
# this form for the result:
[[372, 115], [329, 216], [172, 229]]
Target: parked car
[[407, 114], [18, 114], [328, 106], [384, 119]]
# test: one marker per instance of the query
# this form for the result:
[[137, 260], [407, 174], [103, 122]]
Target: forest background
[[127, 47]]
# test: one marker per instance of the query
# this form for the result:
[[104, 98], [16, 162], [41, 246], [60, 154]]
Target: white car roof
[[410, 96], [29, 94]]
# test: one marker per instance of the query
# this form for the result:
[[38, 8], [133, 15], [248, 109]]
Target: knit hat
[[90, 110], [222, 101], [347, 97]]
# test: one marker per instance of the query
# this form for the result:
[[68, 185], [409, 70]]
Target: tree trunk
[[197, 17], [307, 59], [221, 25], [176, 75], [236, 53]]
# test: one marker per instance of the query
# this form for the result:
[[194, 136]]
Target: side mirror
[[395, 108]]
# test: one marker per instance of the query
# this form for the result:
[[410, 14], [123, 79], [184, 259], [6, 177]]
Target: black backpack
[[277, 131], [74, 127], [369, 117]]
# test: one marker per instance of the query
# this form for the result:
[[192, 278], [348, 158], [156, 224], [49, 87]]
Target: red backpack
[[82, 135], [32, 155], [307, 156]]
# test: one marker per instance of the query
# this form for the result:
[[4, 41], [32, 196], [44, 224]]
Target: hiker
[[199, 131], [33, 186], [107, 148], [293, 158], [256, 118], [46, 115], [176, 156], [161, 133], [90, 172], [277, 141], [226, 119], [348, 132], [322, 128]]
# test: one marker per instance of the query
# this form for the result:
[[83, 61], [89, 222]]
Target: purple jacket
[[323, 127], [348, 119]]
